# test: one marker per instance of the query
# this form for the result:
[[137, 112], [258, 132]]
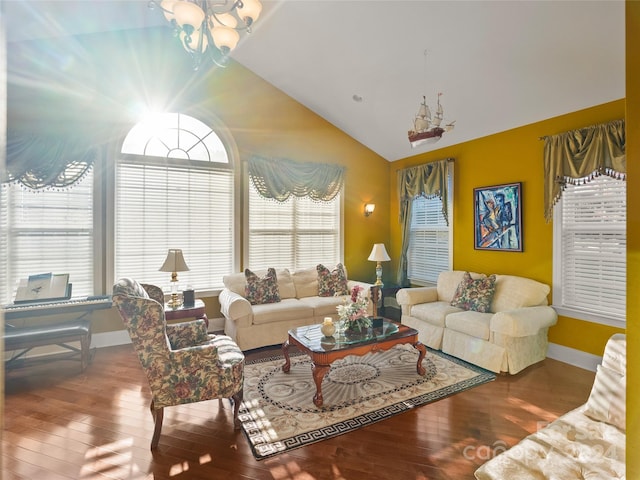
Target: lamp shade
[[379, 253], [174, 262]]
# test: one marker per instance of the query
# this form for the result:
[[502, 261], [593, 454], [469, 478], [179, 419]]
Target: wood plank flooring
[[63, 424]]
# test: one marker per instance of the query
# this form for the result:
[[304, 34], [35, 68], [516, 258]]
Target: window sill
[[590, 317]]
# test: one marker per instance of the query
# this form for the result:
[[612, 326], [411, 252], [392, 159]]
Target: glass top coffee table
[[323, 351]]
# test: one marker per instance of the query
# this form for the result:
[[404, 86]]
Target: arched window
[[174, 189]]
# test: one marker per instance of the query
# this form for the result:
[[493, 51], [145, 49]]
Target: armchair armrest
[[414, 296], [523, 322], [187, 334], [235, 307]]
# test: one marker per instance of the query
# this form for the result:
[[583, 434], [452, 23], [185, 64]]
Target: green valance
[[578, 156], [429, 180], [39, 162], [279, 178]]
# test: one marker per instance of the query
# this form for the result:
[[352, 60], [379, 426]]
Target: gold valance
[[578, 156]]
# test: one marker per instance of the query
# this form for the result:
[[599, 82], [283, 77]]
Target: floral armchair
[[183, 362]]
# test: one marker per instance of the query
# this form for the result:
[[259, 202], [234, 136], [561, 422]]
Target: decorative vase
[[328, 328]]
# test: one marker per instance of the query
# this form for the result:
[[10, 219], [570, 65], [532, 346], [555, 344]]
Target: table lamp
[[379, 254], [174, 263]]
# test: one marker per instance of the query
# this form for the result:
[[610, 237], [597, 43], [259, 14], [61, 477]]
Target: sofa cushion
[[448, 282], [288, 309], [306, 282], [259, 290], [433, 312], [516, 292], [323, 306], [332, 282], [474, 324], [236, 282], [606, 402], [474, 294]]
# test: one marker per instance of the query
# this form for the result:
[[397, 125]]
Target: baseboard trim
[[110, 339], [574, 357]]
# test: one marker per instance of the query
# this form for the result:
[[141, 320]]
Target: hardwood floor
[[63, 424]]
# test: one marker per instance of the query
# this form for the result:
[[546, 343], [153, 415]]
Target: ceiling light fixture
[[209, 27], [425, 128]]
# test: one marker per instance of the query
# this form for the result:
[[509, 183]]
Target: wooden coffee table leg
[[423, 352], [319, 371], [285, 351]]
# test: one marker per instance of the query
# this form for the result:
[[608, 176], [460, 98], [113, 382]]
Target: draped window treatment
[[428, 180], [578, 156], [279, 178], [39, 162]]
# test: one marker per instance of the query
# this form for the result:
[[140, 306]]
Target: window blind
[[591, 267], [162, 205], [47, 231], [428, 253], [298, 233]]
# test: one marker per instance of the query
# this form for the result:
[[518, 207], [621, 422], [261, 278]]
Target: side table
[[386, 309], [182, 312]]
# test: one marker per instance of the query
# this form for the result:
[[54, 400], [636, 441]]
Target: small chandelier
[[425, 128], [209, 27]]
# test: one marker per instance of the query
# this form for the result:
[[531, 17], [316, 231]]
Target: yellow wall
[[633, 234], [281, 127], [507, 157]]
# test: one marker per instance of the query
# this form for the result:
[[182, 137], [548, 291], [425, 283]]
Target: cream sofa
[[508, 338], [253, 326], [587, 442]]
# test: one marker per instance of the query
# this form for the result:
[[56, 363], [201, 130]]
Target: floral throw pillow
[[332, 282], [261, 290], [475, 294]]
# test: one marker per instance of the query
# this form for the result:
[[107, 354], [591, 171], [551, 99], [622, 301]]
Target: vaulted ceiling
[[361, 64]]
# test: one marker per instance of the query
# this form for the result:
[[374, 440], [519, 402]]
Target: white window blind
[[590, 249], [184, 200], [47, 231], [295, 234], [429, 241]]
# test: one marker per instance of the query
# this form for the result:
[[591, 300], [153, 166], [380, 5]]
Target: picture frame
[[497, 217]]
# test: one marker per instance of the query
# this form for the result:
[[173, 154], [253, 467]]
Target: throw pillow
[[475, 294], [261, 290], [606, 402], [331, 283]]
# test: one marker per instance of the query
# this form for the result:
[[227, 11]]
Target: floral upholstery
[[183, 362], [262, 290], [332, 282], [475, 294]]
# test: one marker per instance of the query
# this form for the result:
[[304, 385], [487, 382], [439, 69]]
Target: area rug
[[278, 413]]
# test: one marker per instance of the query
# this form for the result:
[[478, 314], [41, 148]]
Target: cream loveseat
[[587, 442], [508, 337], [253, 326]]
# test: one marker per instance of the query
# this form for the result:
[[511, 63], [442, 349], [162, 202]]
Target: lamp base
[[174, 302], [379, 276]]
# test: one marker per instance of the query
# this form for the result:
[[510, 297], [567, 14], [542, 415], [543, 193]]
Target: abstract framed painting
[[498, 217]]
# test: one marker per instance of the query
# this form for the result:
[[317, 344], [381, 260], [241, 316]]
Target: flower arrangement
[[353, 313]]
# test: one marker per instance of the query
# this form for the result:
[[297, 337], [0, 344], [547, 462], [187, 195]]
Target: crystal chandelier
[[209, 27]]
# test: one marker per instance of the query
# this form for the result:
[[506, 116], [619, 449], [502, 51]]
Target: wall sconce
[[369, 208]]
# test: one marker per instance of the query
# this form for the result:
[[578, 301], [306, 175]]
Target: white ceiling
[[498, 64]]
